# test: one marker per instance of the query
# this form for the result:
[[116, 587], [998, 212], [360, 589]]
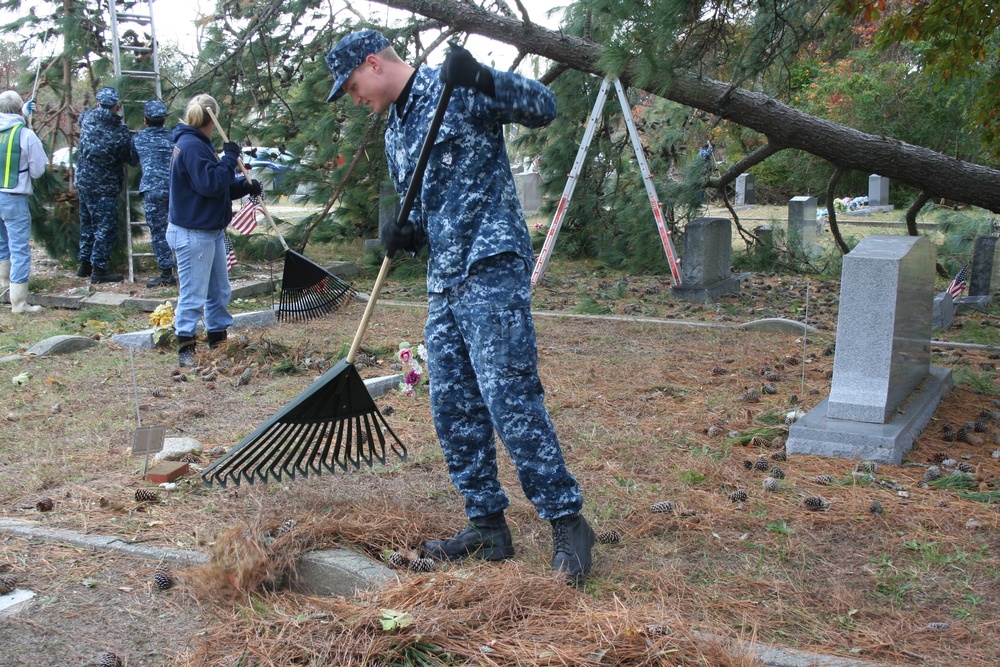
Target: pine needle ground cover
[[656, 424]]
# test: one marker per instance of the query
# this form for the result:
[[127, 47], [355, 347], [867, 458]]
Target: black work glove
[[395, 237], [231, 148], [255, 189], [464, 71]]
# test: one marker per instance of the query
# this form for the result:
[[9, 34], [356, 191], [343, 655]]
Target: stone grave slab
[[883, 327], [106, 299], [802, 230], [944, 311], [707, 262], [61, 345]]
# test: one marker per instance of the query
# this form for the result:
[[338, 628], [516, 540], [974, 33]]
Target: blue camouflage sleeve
[[518, 100]]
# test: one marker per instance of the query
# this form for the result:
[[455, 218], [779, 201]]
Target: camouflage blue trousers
[[155, 206], [482, 358], [98, 228]]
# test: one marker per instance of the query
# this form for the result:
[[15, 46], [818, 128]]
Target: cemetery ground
[[646, 412]]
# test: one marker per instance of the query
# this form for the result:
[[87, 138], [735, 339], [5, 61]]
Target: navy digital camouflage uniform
[[480, 336], [155, 146], [105, 148]]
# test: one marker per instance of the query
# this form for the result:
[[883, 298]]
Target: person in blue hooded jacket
[[202, 187], [479, 335]]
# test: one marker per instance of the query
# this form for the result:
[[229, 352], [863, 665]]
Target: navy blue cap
[[348, 54], [154, 110], [107, 97]]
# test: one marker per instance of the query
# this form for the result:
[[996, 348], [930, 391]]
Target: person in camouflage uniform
[[479, 334], [155, 146], [105, 149]]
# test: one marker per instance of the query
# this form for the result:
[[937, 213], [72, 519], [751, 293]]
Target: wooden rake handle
[[243, 170], [416, 180]]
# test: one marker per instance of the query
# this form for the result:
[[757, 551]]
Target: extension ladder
[[574, 174], [130, 24]]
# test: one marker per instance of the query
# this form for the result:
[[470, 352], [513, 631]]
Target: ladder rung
[[133, 17], [139, 74], [143, 254], [136, 49]]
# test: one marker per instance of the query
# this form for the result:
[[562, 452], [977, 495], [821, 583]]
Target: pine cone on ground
[[791, 360], [758, 441], [738, 496], [609, 537], [111, 660], [937, 627], [779, 456], [771, 484], [285, 528], [962, 434], [875, 509], [719, 370], [948, 433], [163, 579], [761, 464], [748, 464], [816, 504], [714, 431], [422, 565], [777, 442], [145, 496], [662, 507], [8, 582], [932, 473], [770, 375], [44, 505], [398, 560], [979, 427], [777, 473], [751, 395], [965, 466], [870, 467], [823, 479], [768, 388]]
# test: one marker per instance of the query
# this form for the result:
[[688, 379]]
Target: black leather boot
[[572, 541], [216, 338], [186, 351], [487, 538], [100, 275], [166, 277], [84, 270]]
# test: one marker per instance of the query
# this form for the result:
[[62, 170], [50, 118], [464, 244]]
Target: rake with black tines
[[334, 423], [308, 290]]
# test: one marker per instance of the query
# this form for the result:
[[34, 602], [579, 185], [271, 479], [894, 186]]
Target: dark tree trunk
[[831, 210], [784, 126]]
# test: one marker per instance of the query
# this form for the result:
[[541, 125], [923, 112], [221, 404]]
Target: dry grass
[[632, 403]]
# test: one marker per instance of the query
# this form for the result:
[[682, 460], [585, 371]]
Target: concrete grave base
[[703, 293], [964, 304], [884, 443]]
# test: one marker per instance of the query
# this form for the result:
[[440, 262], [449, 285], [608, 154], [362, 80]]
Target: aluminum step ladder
[[574, 174], [137, 20]]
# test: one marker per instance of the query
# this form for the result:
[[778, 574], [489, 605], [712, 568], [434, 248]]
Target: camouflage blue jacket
[[467, 208], [105, 149], [155, 146]]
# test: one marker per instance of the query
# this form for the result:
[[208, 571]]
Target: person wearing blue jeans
[[202, 187], [22, 158]]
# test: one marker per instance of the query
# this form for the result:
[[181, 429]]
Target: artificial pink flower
[[405, 354]]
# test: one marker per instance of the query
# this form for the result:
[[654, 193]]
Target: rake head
[[332, 424], [309, 291]]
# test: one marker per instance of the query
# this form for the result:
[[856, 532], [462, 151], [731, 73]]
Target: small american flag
[[958, 284], [245, 220], [230, 253]]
